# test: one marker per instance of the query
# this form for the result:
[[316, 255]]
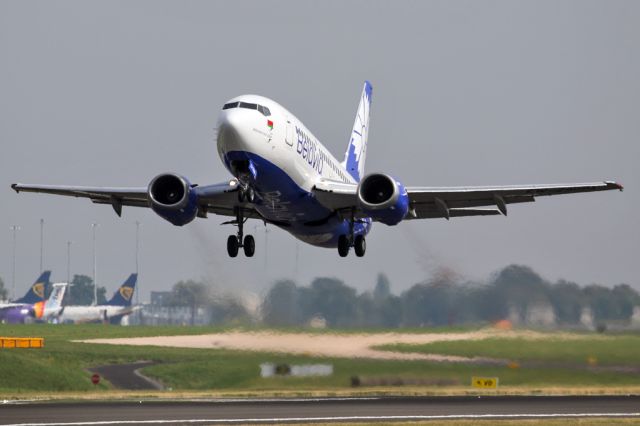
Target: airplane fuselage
[[272, 152]]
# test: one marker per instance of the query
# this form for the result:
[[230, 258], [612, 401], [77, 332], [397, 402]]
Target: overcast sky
[[465, 93]]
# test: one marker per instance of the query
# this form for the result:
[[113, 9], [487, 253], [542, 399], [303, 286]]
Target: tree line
[[516, 292]]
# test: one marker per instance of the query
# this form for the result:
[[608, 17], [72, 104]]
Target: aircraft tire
[[232, 246], [343, 246], [360, 245], [249, 246]]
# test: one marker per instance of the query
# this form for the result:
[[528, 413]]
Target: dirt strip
[[327, 345]]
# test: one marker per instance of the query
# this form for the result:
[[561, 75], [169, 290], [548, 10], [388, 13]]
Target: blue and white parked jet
[[284, 176]]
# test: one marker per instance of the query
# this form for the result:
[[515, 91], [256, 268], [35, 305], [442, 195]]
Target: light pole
[[139, 316], [95, 274], [137, 260], [69, 270], [41, 243], [15, 229]]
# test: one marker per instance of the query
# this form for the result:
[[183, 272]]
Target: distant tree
[[191, 294], [626, 300], [227, 309], [383, 288], [567, 300], [601, 302], [280, 306], [335, 301], [80, 292], [3, 291], [519, 287], [429, 303]]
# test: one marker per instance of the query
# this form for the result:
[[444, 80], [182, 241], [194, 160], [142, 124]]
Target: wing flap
[[499, 196]]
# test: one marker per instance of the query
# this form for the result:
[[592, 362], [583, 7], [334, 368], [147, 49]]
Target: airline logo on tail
[[38, 289], [126, 293], [355, 156]]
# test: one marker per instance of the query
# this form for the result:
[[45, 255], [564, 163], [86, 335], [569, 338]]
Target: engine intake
[[173, 198], [383, 198]]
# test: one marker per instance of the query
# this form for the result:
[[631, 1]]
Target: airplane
[[112, 311], [41, 310], [284, 176], [36, 292]]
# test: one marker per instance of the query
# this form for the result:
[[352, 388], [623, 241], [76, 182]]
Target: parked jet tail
[[37, 291], [124, 295], [356, 153]]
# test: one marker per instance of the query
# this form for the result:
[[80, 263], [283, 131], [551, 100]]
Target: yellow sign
[[21, 342], [484, 382]]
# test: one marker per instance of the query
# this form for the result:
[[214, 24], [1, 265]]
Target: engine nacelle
[[173, 198], [383, 198]]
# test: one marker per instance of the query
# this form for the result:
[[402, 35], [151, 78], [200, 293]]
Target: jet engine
[[383, 198], [173, 198]]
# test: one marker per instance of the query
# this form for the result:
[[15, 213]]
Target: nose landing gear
[[234, 242]]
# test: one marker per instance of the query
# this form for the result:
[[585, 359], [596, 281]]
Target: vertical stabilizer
[[57, 295], [356, 153], [124, 294], [37, 291]]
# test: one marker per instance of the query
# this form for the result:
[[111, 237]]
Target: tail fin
[[356, 153], [57, 294], [123, 296], [37, 291]]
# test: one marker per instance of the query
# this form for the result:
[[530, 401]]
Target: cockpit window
[[263, 109], [248, 105]]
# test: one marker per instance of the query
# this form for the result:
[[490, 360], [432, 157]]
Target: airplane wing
[[219, 198], [433, 202]]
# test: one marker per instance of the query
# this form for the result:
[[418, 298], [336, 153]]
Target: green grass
[[622, 350], [61, 365]]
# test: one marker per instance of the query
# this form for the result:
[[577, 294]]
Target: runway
[[226, 411]]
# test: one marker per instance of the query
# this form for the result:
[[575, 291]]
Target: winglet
[[14, 186], [614, 185]]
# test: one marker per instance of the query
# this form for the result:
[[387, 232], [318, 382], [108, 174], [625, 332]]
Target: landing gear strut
[[358, 242], [234, 242]]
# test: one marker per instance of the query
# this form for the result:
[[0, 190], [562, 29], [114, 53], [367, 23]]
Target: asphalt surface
[[278, 411], [126, 376]]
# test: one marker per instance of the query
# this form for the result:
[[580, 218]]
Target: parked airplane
[[41, 310], [284, 176], [36, 292], [113, 310]]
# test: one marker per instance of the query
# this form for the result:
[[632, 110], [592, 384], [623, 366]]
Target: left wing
[[219, 198], [427, 203]]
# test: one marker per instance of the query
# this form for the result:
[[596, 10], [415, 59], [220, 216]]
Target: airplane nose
[[230, 130]]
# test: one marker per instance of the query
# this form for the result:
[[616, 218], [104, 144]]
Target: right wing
[[220, 199], [431, 203]]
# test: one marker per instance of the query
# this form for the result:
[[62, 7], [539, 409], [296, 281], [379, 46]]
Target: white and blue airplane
[[285, 177]]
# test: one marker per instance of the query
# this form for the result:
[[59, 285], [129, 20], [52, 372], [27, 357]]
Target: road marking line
[[338, 418]]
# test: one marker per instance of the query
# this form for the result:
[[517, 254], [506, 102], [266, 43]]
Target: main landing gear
[[234, 242], [359, 245], [345, 242]]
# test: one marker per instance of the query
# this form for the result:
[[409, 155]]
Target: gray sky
[[465, 93]]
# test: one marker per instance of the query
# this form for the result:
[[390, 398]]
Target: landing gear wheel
[[249, 246], [250, 195], [360, 245], [232, 245], [343, 246]]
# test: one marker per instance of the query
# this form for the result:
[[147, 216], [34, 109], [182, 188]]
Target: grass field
[[61, 365], [616, 350]]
